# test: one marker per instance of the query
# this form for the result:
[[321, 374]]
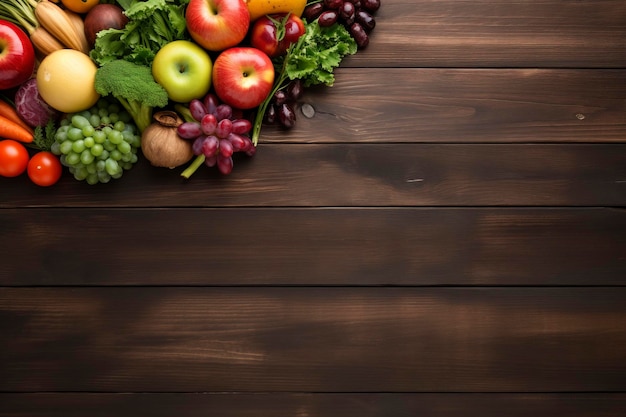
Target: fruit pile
[[83, 80]]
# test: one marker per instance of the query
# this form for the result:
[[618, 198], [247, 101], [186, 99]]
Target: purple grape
[[197, 109], [208, 124], [328, 18], [270, 114], [197, 145], [312, 11], [224, 128], [347, 11], [225, 164], [333, 4], [241, 126], [287, 116], [211, 102], [250, 149], [366, 20], [210, 146], [210, 161], [238, 142], [226, 148], [189, 130], [247, 143], [295, 89], [280, 97], [359, 34], [223, 111], [371, 5]]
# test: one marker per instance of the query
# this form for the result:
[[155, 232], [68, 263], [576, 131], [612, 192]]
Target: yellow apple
[[65, 80]]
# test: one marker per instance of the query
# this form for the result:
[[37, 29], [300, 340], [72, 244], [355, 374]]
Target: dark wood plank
[[311, 405], [313, 247], [488, 33], [463, 106], [312, 175], [313, 339]]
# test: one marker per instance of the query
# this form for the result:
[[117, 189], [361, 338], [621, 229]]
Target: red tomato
[[13, 158], [273, 34], [44, 169]]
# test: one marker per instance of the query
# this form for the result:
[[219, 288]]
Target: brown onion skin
[[160, 143], [103, 16]]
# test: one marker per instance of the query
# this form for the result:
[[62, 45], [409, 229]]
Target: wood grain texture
[[444, 237], [313, 339], [303, 404], [394, 246], [488, 33], [420, 105], [317, 175]]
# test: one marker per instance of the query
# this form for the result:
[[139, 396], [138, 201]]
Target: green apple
[[183, 69]]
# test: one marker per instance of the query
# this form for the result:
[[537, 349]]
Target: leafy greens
[[317, 53], [152, 24]]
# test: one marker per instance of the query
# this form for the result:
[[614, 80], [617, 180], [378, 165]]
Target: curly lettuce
[[151, 25], [317, 53]]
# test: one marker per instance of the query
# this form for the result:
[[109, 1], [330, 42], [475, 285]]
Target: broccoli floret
[[134, 87]]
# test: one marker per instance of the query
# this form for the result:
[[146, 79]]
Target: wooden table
[[445, 237]]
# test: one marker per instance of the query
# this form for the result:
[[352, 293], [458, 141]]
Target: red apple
[[17, 56], [217, 24], [243, 77]]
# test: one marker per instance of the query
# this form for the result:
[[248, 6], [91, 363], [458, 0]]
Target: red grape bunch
[[281, 109], [217, 133], [356, 15]]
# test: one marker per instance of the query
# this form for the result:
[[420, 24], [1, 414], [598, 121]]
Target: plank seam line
[[616, 392]]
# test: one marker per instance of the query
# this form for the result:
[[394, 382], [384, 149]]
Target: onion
[[103, 16], [160, 143]]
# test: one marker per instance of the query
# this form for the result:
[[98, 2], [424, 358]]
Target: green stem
[[197, 163], [185, 113], [19, 13], [258, 119]]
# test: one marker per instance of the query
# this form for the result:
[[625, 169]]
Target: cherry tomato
[[44, 169], [273, 34], [13, 158]]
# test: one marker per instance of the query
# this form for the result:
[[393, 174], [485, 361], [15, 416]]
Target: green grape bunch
[[97, 144]]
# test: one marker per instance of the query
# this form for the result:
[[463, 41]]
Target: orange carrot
[[8, 111], [11, 130]]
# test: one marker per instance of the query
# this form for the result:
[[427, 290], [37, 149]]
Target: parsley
[[44, 136], [312, 59]]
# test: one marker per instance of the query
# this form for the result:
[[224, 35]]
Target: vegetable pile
[[91, 85]]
